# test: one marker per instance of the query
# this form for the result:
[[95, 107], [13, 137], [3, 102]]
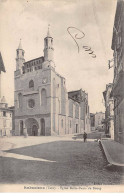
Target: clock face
[[44, 81]]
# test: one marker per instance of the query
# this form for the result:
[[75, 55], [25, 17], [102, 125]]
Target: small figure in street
[[85, 136]]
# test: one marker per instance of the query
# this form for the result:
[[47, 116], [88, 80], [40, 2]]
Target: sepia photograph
[[61, 96]]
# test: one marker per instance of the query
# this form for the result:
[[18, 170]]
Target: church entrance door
[[42, 127], [34, 130], [32, 126]]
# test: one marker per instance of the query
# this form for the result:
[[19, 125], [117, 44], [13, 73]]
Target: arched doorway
[[42, 127], [34, 130], [21, 128], [32, 126]]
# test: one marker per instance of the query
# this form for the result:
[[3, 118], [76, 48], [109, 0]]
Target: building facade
[[92, 121], [5, 111], [80, 97], [118, 82], [42, 104], [99, 119], [109, 110], [5, 118]]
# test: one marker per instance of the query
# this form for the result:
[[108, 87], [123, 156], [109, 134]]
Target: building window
[[10, 115], [31, 84], [4, 113], [62, 123], [20, 100], [31, 103], [43, 97], [4, 132], [70, 123]]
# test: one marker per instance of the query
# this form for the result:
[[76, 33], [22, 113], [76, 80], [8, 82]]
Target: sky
[[29, 19]]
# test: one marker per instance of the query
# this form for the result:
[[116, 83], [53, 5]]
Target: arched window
[[43, 97], [54, 88], [31, 84], [70, 123], [20, 101], [62, 123]]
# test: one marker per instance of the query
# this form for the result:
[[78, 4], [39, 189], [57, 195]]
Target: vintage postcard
[[61, 96]]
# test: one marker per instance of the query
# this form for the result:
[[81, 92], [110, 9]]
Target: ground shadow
[[77, 163]]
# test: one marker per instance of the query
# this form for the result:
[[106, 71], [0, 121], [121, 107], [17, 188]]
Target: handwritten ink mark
[[77, 37], [87, 48]]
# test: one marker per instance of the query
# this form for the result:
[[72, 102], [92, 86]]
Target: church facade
[[43, 106]]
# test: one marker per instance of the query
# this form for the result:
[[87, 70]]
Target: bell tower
[[19, 57], [48, 47]]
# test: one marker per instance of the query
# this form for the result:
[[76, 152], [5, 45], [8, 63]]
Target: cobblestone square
[[55, 161]]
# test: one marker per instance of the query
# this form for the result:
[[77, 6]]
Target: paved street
[[54, 161]]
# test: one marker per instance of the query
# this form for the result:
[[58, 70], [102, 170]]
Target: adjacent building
[[80, 97], [109, 110], [12, 109], [92, 121], [5, 111], [5, 118], [42, 104], [99, 121], [118, 82]]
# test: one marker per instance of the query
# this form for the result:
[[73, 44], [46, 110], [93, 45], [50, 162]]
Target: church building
[[43, 106]]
